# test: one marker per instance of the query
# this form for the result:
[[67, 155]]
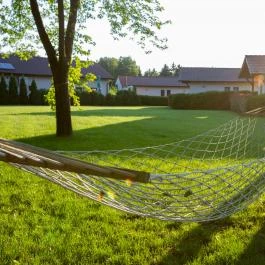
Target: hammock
[[204, 178]]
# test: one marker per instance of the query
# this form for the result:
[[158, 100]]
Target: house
[[37, 68], [205, 79], [250, 77], [253, 70], [152, 86]]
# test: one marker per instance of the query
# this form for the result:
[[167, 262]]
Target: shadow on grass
[[187, 249], [105, 111], [148, 131], [255, 251]]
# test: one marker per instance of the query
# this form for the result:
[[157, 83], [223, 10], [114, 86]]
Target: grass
[[41, 223]]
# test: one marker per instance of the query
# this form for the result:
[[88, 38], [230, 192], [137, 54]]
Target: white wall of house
[[42, 82], [104, 86], [202, 87], [119, 85], [45, 83], [156, 91]]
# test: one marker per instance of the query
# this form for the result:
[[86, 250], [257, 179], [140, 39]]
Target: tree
[[3, 91], [127, 66], [58, 26], [110, 64], [177, 70], [165, 71], [34, 95], [12, 90], [151, 73], [23, 95]]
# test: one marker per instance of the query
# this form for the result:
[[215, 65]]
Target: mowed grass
[[41, 223]]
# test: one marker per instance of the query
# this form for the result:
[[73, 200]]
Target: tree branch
[[42, 33], [70, 31]]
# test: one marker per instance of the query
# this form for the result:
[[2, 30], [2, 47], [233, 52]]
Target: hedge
[[255, 102], [153, 101], [209, 100], [123, 98]]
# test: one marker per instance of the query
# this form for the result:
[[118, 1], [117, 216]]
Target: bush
[[209, 100], [13, 91], [127, 98], [36, 96], [23, 95], [3, 91], [255, 102], [239, 101], [153, 101], [91, 99]]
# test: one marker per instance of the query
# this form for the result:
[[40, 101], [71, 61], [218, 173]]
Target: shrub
[[91, 99], [127, 98], [255, 102], [13, 91], [153, 101], [3, 91], [209, 100], [23, 95], [35, 95], [239, 101]]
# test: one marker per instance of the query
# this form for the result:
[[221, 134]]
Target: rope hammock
[[204, 178]]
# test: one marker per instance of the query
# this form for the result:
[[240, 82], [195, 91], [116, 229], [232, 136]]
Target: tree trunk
[[63, 107]]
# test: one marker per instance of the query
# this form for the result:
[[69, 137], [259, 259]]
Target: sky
[[206, 33]]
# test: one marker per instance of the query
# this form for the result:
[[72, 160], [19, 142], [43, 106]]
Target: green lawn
[[41, 223]]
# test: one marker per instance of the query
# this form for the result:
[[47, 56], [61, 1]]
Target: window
[[162, 92], [168, 92], [227, 89], [235, 89]]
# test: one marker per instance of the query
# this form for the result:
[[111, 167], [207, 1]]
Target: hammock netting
[[204, 178]]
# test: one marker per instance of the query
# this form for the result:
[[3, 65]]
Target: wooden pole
[[24, 154]]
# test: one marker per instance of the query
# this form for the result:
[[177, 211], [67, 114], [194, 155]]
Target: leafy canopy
[[136, 19]]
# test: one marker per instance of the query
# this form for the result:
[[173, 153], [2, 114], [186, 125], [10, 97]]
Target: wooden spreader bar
[[24, 154]]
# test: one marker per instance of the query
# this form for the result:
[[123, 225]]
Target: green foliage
[[127, 98], [165, 71], [91, 99], [209, 100], [151, 73], [122, 98], [110, 64], [13, 91], [34, 95], [255, 101], [121, 66], [23, 95], [75, 79], [128, 66], [113, 90], [3, 91], [138, 19], [153, 101]]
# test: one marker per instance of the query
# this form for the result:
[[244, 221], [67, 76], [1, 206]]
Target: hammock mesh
[[204, 178]]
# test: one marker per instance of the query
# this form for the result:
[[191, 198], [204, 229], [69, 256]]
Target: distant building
[[152, 86], [253, 70], [37, 68], [203, 79], [250, 77]]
